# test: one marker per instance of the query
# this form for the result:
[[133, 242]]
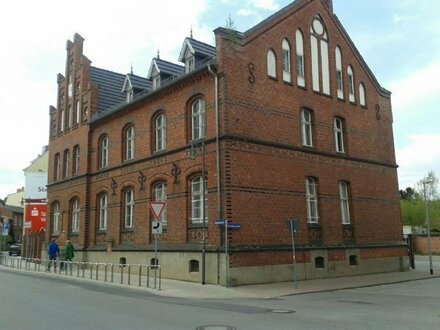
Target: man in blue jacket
[[53, 251]]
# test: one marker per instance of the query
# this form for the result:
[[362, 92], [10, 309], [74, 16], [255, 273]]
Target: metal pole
[[293, 253], [428, 228], [155, 259], [226, 255], [203, 216]]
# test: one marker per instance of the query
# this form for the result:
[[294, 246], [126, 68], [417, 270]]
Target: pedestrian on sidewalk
[[53, 251], [69, 251]]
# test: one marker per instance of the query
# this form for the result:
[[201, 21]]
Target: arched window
[[306, 128], [56, 218], [319, 52], [62, 120], [199, 205], [160, 129], [300, 77], [362, 95], [338, 130], [57, 167], [344, 202], [102, 205], [128, 209], [350, 78], [160, 195], [198, 119], [271, 64], [339, 79], [312, 200], [128, 144], [78, 112], [103, 151], [69, 116], [286, 61], [75, 215], [66, 163], [76, 160]]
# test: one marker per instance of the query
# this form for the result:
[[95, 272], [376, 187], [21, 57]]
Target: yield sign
[[156, 208]]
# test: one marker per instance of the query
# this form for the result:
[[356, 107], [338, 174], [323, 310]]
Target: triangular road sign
[[157, 208]]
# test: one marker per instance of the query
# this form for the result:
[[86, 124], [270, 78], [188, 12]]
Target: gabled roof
[[165, 67], [136, 82], [197, 48], [109, 84]]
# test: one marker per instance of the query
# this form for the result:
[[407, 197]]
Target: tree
[[431, 186], [407, 194]]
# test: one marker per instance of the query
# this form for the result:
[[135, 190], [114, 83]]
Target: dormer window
[[156, 81], [189, 61]]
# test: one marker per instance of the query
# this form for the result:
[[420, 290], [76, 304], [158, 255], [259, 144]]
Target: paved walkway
[[174, 288]]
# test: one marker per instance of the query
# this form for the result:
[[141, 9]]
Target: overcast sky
[[399, 40]]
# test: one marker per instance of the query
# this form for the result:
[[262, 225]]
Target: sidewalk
[[181, 289]]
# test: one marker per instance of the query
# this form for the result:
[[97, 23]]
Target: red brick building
[[283, 121]]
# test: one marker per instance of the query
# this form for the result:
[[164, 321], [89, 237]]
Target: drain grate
[[216, 327]]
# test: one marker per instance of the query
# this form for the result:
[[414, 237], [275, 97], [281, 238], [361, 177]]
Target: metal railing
[[125, 274]]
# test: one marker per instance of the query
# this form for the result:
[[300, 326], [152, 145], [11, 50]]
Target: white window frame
[[362, 94], [312, 200], [78, 112], [129, 143], [75, 220], [306, 128], [271, 63], [338, 130], [286, 61], [197, 202], [103, 206], [300, 73], [57, 166], [160, 124], [350, 78], [344, 203], [128, 209], [56, 218], [76, 156], [339, 77], [198, 119], [104, 148], [62, 120], [66, 161], [160, 195]]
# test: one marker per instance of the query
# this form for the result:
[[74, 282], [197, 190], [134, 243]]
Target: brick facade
[[253, 150]]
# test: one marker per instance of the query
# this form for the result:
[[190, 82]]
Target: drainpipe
[[217, 151]]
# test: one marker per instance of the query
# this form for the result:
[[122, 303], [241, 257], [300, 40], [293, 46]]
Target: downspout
[[217, 151]]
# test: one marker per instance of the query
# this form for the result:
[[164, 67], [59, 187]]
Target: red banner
[[36, 214]]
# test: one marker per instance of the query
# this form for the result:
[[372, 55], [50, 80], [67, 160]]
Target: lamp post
[[428, 228], [192, 153]]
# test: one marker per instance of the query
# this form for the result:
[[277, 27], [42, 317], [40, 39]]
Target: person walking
[[53, 251], [69, 251]]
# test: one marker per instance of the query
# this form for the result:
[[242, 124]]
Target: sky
[[398, 39]]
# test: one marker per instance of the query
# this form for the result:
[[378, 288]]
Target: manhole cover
[[281, 311], [216, 327]]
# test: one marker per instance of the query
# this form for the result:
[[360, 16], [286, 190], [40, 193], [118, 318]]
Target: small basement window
[[154, 262], [122, 261], [319, 262], [193, 266], [353, 260]]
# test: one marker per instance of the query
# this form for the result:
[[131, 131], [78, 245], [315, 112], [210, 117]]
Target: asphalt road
[[29, 301]]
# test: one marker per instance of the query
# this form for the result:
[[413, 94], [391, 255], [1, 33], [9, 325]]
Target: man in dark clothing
[[53, 250]]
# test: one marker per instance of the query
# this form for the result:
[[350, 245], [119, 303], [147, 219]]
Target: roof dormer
[[194, 52]]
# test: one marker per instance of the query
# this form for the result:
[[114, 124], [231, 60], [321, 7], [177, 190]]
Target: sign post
[[157, 208], [293, 223]]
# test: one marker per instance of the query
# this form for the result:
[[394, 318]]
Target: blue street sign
[[234, 226], [219, 222]]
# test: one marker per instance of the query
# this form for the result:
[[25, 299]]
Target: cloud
[[246, 12], [412, 90], [418, 157], [265, 4]]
